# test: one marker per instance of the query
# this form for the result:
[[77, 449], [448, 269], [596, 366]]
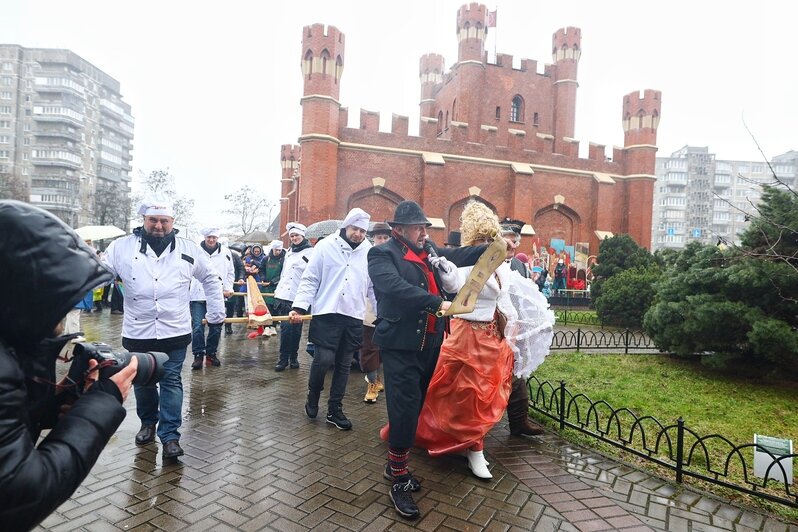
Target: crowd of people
[[376, 293]]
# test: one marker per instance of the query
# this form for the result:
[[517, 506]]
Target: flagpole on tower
[[492, 24]]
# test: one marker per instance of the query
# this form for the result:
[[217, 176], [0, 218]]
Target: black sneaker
[[228, 329], [281, 366], [211, 360], [294, 364], [402, 499], [415, 485], [197, 364], [337, 418], [312, 410]]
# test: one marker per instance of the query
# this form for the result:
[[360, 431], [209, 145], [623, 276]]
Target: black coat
[[46, 270], [404, 303]]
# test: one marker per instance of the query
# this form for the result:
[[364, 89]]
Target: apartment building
[[66, 133], [699, 197]]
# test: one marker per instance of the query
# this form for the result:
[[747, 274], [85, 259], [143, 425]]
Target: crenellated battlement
[[318, 36], [431, 68], [642, 109], [472, 14], [566, 44], [290, 152]]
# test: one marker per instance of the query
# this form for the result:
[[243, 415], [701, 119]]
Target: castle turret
[[430, 73], [471, 32], [322, 66], [640, 121], [565, 53]]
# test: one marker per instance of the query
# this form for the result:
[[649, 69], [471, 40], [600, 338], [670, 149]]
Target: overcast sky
[[215, 87]]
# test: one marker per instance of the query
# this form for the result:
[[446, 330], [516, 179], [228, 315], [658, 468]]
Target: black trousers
[[407, 376]]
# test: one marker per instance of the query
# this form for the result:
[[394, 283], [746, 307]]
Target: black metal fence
[[596, 340], [712, 458], [577, 317]]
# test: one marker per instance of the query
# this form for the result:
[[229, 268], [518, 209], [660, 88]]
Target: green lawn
[[668, 388]]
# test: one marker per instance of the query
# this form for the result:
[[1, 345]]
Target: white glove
[[442, 265], [448, 273]]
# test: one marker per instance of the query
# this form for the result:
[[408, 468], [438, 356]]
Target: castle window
[[446, 123], [308, 63], [454, 108], [536, 120], [325, 57], [440, 122], [339, 68], [517, 109], [498, 113]]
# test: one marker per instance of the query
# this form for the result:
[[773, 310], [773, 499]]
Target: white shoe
[[478, 465], [274, 331]]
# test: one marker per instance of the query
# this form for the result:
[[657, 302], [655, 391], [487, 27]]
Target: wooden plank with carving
[[466, 299]]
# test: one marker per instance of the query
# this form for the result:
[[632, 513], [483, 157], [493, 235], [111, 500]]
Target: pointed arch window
[[325, 58], [307, 63], [440, 122], [454, 110], [517, 109], [339, 68]]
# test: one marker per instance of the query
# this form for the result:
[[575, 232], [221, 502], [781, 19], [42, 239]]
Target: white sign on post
[[762, 460]]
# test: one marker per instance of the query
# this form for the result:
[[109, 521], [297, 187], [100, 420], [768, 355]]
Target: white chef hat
[[357, 217], [156, 207], [276, 245], [296, 227], [210, 231]]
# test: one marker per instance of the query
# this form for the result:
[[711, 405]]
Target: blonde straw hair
[[478, 221]]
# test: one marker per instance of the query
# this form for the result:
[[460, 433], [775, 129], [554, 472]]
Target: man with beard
[[156, 267], [222, 262], [336, 283], [408, 289]]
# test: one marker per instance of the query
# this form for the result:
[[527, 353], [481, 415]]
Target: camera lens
[[150, 368]]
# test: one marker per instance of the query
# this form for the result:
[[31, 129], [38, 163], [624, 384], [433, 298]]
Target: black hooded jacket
[[46, 269]]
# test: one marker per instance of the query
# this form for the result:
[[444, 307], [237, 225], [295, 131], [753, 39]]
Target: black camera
[[150, 369]]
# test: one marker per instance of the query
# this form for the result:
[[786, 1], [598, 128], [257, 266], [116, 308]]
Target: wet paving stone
[[255, 461]]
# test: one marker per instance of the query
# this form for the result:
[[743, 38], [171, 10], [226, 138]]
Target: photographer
[[46, 269]]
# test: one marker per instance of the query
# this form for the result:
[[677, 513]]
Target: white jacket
[[157, 288], [336, 280], [293, 268], [222, 262]]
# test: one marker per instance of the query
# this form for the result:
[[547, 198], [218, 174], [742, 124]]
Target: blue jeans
[[165, 410], [199, 346], [289, 333]]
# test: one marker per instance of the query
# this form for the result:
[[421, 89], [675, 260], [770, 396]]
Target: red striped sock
[[397, 458]]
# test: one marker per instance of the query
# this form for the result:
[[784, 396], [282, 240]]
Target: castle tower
[[471, 32], [565, 53], [430, 73], [322, 66], [289, 183], [640, 122]]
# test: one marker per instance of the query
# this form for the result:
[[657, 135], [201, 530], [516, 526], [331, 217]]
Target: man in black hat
[[454, 240], [518, 403], [407, 284]]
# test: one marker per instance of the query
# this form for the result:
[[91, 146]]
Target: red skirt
[[469, 390]]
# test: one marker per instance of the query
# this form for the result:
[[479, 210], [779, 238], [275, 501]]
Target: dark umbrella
[[323, 228]]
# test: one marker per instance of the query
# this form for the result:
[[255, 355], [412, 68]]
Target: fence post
[[565, 319], [679, 449], [578, 339], [562, 405], [626, 343]]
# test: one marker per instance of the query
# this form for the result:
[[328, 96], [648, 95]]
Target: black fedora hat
[[454, 239], [409, 213], [379, 228]]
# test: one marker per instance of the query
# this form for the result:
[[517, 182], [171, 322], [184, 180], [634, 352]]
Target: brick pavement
[[254, 461]]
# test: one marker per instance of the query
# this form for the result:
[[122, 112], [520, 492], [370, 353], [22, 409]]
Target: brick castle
[[487, 131]]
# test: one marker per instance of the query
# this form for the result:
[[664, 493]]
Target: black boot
[[197, 364], [518, 411], [228, 329]]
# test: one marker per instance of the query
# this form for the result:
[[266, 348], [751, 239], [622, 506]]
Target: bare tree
[[250, 210], [13, 187], [112, 204], [162, 183]]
